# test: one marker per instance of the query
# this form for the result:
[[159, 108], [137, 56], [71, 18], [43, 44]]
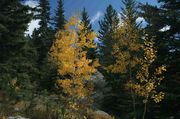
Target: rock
[[99, 115], [17, 117], [100, 88]]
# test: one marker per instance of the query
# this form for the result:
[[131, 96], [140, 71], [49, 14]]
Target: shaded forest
[[62, 72]]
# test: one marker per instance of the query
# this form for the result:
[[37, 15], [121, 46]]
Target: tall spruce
[[13, 23], [44, 14], [41, 37], [129, 12], [16, 66], [127, 52], [85, 21], [60, 18], [164, 24], [107, 26]]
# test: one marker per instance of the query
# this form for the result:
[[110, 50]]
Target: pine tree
[[127, 52], [42, 37], [85, 21], [13, 23], [107, 26], [60, 18], [129, 12], [73, 66], [15, 53], [44, 15]]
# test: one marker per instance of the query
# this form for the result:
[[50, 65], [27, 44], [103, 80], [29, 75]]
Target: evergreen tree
[[16, 66], [13, 23], [41, 37], [85, 21], [127, 53], [44, 14], [129, 13], [60, 18], [107, 26]]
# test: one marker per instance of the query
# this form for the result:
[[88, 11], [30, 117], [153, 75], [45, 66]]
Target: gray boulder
[[17, 117]]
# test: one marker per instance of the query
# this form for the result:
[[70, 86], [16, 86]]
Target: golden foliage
[[68, 53], [146, 84]]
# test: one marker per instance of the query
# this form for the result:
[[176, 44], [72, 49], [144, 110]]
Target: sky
[[95, 9]]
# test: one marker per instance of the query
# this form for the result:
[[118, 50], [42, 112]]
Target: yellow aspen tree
[[146, 83], [68, 54]]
